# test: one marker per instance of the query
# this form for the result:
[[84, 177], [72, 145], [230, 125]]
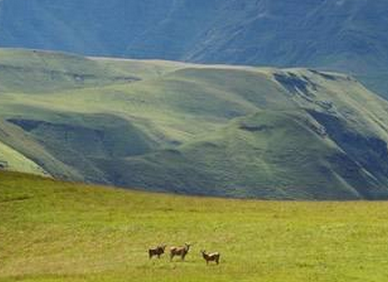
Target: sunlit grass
[[53, 231]]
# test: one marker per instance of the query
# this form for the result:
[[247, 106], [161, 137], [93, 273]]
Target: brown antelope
[[211, 257], [158, 251], [179, 251]]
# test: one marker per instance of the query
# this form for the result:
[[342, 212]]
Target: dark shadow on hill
[[81, 141], [367, 155]]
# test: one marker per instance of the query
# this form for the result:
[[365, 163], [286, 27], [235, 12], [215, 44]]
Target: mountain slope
[[200, 129], [21, 152], [340, 35], [268, 155], [13, 160]]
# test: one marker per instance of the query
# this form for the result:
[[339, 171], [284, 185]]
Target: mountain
[[339, 35], [194, 129], [85, 233]]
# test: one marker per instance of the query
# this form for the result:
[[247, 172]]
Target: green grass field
[[55, 231]]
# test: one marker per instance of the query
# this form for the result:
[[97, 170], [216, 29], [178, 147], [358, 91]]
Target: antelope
[[158, 251], [179, 251], [211, 257]]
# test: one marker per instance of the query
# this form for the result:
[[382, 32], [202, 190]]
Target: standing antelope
[[158, 251], [211, 257], [179, 251]]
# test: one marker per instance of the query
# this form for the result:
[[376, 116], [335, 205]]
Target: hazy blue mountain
[[345, 35]]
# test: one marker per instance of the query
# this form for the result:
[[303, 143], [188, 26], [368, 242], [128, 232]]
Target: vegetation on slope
[[55, 231], [34, 71], [13, 160], [198, 129]]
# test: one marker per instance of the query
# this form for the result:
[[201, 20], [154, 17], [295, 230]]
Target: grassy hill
[[194, 129], [55, 231], [13, 160]]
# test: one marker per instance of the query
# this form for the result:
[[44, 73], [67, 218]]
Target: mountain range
[[338, 35], [186, 128]]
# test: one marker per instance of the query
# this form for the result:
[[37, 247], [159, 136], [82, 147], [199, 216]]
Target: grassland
[[195, 129], [55, 231]]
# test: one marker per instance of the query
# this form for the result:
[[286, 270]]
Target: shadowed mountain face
[[344, 35], [193, 129]]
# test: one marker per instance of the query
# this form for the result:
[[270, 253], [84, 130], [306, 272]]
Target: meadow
[[58, 231]]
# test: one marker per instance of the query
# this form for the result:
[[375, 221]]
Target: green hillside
[[195, 129], [54, 231], [13, 160]]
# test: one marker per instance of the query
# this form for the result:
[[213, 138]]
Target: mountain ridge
[[338, 35]]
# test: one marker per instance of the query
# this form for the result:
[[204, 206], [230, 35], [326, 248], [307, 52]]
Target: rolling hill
[[194, 129], [339, 35], [55, 231]]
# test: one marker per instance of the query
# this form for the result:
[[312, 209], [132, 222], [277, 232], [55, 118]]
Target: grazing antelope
[[179, 251], [158, 251], [211, 257]]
